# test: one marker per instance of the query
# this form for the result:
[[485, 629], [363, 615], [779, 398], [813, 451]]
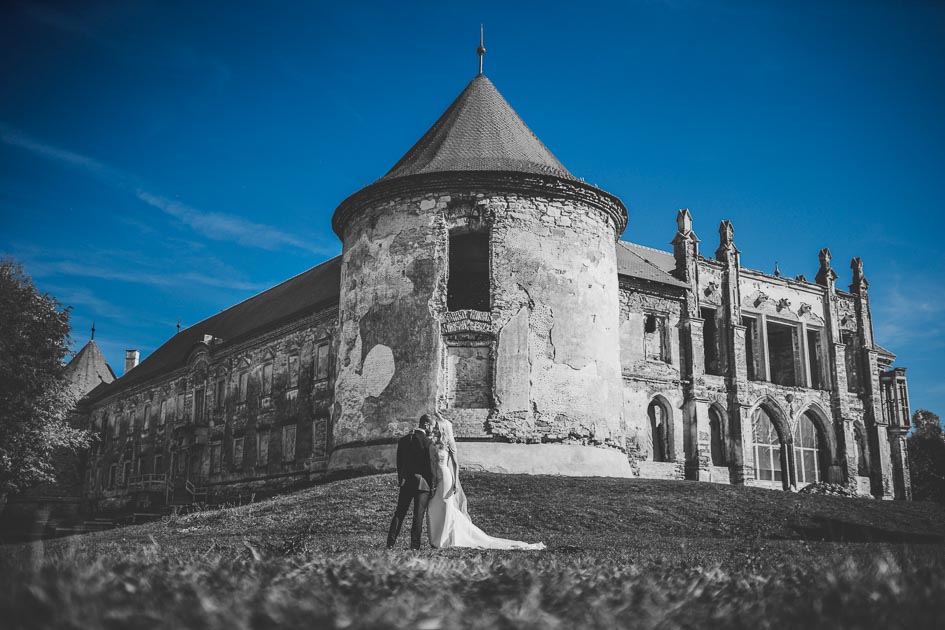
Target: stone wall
[[264, 415], [549, 338]]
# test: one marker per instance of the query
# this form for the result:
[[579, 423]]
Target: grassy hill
[[621, 553]]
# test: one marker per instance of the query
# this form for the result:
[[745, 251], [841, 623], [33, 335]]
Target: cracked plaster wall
[[553, 321]]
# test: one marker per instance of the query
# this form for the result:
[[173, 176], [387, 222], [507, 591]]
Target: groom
[[416, 463]]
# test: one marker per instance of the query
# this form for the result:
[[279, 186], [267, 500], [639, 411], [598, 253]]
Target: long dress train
[[448, 526]]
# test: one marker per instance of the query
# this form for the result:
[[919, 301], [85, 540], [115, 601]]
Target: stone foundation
[[517, 459]]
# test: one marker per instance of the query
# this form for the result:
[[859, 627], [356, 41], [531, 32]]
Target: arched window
[[717, 437], [660, 431], [767, 446], [808, 453]]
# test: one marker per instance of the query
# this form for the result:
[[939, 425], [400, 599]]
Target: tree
[[927, 457], [35, 398]]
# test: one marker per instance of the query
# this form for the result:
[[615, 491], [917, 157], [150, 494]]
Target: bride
[[448, 522]]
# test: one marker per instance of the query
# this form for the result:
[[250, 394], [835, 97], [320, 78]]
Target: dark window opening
[[710, 341], [813, 358], [220, 396], [649, 324], [717, 437], [321, 362], [655, 347], [198, 405], [751, 336], [782, 348], [468, 286], [853, 377], [660, 432], [862, 454]]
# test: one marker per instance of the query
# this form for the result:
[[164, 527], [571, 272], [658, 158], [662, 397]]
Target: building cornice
[[459, 182]]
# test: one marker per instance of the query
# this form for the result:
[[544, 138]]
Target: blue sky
[[161, 160]]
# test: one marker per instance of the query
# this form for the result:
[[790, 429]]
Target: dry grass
[[622, 553]]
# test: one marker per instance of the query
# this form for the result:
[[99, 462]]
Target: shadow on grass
[[836, 530]]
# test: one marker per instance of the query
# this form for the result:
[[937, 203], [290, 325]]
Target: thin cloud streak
[[69, 268], [227, 227], [215, 225]]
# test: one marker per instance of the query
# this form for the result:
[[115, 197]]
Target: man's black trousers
[[421, 498]]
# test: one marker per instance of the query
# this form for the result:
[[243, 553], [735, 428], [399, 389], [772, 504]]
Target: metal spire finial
[[178, 325], [481, 51], [93, 330]]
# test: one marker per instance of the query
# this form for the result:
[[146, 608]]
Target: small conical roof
[[479, 132], [88, 369]]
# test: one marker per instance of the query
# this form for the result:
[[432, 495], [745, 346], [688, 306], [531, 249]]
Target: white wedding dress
[[448, 524]]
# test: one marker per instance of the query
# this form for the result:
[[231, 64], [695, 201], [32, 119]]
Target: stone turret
[[479, 282]]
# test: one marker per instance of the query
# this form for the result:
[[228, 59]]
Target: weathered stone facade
[[481, 281]]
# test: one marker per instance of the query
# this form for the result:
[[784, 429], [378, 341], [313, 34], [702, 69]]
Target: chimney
[[131, 359]]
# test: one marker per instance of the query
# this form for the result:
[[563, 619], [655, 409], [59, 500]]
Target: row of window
[[810, 454], [179, 462], [778, 352], [168, 412]]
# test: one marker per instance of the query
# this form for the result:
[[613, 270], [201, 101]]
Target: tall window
[[237, 453], [219, 397], [468, 286], [288, 443], [244, 385], [717, 438], [321, 361], [262, 448], [782, 349], [817, 380], [660, 432], [293, 368], [147, 418], [158, 464], [199, 403], [216, 453], [267, 379], [853, 376], [112, 475], [861, 450], [655, 346], [710, 341], [751, 342], [767, 447], [807, 451], [163, 417]]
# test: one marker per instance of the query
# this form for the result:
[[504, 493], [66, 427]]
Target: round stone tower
[[479, 281]]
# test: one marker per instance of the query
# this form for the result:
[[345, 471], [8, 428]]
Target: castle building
[[482, 281]]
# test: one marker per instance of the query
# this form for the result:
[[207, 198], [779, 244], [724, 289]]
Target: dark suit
[[416, 474]]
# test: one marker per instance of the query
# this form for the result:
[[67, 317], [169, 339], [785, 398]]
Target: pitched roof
[[642, 262], [479, 132], [88, 369], [305, 293]]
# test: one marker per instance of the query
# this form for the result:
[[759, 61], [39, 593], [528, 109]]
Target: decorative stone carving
[[783, 304]]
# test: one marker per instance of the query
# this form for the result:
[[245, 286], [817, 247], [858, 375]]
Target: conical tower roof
[[479, 132], [88, 369]]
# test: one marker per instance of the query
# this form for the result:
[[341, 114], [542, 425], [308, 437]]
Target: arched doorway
[[717, 438], [661, 430], [770, 464], [810, 461]]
